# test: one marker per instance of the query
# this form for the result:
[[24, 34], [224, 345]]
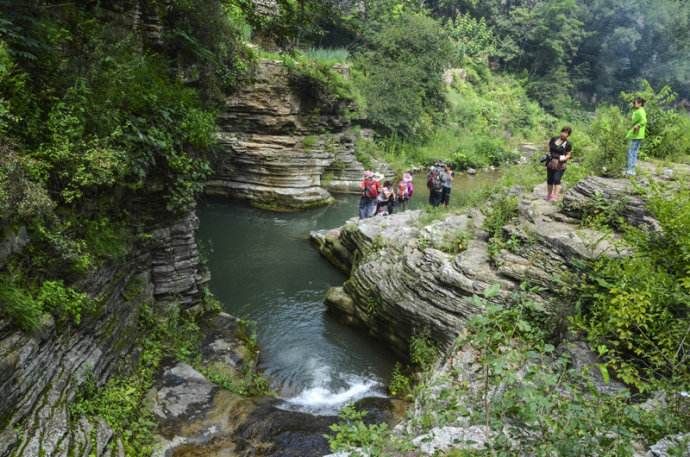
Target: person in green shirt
[[636, 134]]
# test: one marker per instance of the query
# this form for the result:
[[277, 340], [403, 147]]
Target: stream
[[264, 269]]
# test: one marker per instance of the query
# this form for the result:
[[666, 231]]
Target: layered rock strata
[[406, 275], [41, 372], [281, 148]]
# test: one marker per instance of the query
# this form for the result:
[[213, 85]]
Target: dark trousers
[[553, 177], [435, 197], [445, 196]]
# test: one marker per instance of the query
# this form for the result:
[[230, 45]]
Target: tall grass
[[328, 56]]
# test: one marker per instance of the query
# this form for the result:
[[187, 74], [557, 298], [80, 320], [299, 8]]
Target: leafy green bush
[[66, 303], [500, 212], [21, 197], [352, 432], [635, 308], [423, 352], [487, 116], [607, 131], [400, 385], [472, 37], [18, 304], [556, 406], [25, 306], [399, 74]]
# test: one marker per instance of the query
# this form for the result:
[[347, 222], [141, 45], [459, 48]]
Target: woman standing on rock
[[370, 191], [560, 151]]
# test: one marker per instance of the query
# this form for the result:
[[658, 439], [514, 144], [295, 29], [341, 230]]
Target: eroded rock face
[[12, 242], [406, 276], [282, 149], [41, 372]]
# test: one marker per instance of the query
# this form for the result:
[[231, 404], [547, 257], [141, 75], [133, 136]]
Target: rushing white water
[[327, 395], [265, 270]]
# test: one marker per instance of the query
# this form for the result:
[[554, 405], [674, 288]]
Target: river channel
[[264, 269]]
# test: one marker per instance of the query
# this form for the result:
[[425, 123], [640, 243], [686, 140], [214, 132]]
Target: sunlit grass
[[328, 56]]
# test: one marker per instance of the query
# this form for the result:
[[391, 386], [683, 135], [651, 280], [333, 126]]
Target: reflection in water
[[264, 269]]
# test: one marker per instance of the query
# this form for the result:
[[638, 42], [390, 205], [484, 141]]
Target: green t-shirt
[[639, 117]]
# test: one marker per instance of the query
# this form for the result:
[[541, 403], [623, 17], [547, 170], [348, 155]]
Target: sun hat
[[378, 176], [368, 174], [407, 177]]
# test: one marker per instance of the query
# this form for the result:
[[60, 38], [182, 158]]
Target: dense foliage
[[636, 308], [105, 123], [400, 72]]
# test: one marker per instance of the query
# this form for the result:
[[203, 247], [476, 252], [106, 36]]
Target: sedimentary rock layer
[[40, 373], [281, 148], [407, 277]]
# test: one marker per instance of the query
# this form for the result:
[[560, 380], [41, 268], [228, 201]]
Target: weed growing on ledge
[[351, 432]]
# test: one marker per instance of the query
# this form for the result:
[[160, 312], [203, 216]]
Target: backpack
[[369, 190], [434, 181], [403, 190]]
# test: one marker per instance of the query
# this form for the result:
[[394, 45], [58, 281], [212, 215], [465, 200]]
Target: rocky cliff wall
[[280, 148], [40, 373], [406, 276]]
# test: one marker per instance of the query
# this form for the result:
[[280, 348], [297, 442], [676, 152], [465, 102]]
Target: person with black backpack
[[434, 182], [370, 188]]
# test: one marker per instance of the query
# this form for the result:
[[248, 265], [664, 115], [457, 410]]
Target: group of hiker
[[561, 150], [382, 199]]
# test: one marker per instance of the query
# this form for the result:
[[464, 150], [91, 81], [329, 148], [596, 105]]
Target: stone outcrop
[[12, 242], [406, 275], [280, 147], [410, 274], [197, 417], [41, 372]]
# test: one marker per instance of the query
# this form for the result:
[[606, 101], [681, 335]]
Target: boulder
[[596, 194]]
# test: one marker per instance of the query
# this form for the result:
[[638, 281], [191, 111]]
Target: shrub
[[399, 74], [25, 306], [423, 352], [21, 197], [352, 432], [500, 212], [607, 132], [67, 304], [18, 304], [635, 308], [400, 385]]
